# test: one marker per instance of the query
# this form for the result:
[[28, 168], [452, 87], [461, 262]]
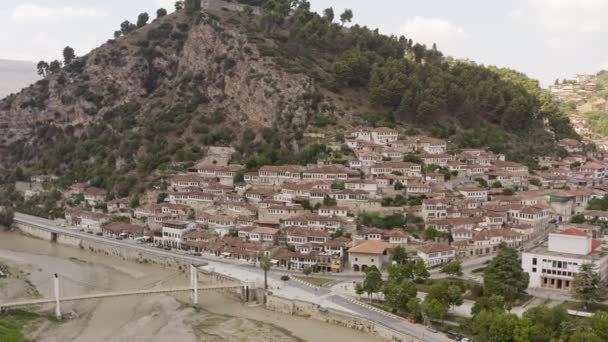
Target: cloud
[[570, 16], [432, 30], [35, 13], [516, 13]]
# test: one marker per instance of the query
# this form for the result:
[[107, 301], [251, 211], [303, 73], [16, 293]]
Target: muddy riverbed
[[144, 318]]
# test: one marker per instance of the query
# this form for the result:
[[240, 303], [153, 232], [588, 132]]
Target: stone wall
[[69, 241], [310, 310], [94, 246], [34, 232]]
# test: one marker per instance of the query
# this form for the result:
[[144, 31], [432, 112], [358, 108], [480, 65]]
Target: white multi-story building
[[277, 175], [173, 232], [362, 184], [434, 209], [555, 264], [380, 135], [403, 168], [474, 194], [436, 253]]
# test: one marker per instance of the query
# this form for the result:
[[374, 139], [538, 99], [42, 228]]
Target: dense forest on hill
[[258, 82]]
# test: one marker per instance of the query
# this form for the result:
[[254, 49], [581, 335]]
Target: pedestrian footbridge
[[194, 289]]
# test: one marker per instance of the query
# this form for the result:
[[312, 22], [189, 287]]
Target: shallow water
[[147, 318]]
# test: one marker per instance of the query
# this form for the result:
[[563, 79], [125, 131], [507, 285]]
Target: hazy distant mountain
[[14, 75]]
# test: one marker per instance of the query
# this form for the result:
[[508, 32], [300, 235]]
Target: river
[[142, 318]]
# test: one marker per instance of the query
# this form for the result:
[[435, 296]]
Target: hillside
[[155, 96], [586, 101], [15, 75]]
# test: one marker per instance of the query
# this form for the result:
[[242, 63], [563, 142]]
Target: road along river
[[142, 318]]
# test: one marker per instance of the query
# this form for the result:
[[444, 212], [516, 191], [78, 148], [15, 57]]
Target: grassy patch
[[592, 307], [427, 284], [14, 325], [316, 281]]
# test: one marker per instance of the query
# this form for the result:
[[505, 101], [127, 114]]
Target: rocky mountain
[[14, 75], [257, 80]]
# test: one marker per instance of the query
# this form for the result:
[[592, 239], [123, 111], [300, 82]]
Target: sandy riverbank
[[152, 318]]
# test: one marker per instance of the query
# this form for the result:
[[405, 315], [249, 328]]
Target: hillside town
[[584, 101], [414, 192], [574, 90], [284, 170]]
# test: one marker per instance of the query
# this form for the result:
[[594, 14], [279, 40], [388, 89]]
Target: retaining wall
[[331, 316], [94, 246]]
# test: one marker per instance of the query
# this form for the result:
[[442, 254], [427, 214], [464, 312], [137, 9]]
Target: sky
[[546, 39]]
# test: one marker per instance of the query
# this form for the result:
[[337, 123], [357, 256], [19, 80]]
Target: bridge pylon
[[57, 301], [194, 283]]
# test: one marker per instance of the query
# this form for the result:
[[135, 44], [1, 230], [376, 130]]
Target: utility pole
[[57, 303]]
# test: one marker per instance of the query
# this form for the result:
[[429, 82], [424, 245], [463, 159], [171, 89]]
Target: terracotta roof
[[188, 178], [283, 168], [199, 235], [395, 233], [574, 232], [598, 213], [384, 130], [264, 230], [434, 248], [367, 231], [297, 231], [371, 247], [93, 191], [121, 227], [489, 233], [220, 168], [395, 165], [338, 242]]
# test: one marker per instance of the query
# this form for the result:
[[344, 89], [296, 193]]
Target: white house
[[173, 232], [436, 253], [474, 194], [365, 254]]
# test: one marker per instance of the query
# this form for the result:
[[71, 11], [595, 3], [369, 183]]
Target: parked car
[[453, 336], [99, 234], [167, 248], [457, 337]]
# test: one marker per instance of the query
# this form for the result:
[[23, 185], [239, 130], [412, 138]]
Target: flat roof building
[[554, 265]]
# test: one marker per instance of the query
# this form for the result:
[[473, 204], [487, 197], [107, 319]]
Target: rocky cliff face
[[206, 67]]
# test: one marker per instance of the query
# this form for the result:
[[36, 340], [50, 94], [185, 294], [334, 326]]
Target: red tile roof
[[371, 247], [573, 231], [434, 248]]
